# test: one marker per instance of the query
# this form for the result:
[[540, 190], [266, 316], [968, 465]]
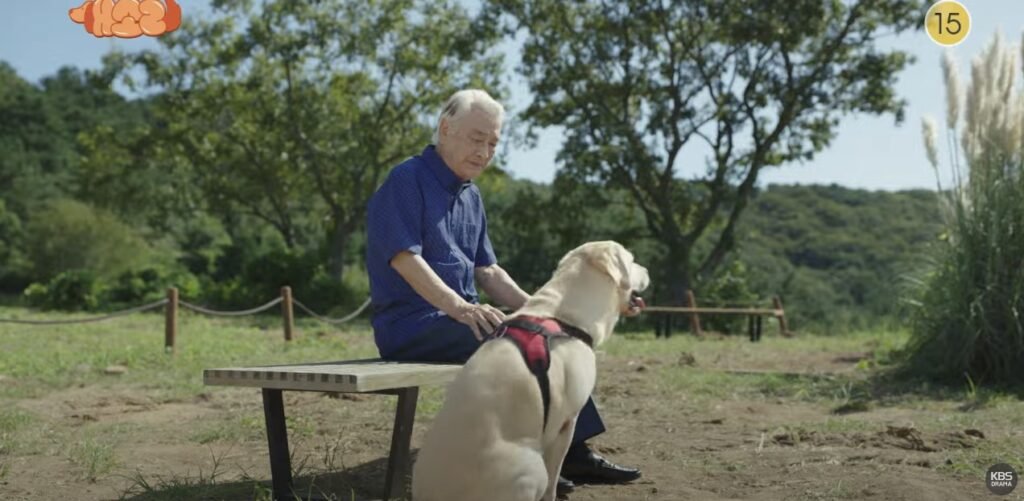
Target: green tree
[[292, 113], [761, 83], [35, 151]]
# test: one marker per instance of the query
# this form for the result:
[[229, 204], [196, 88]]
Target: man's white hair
[[464, 100]]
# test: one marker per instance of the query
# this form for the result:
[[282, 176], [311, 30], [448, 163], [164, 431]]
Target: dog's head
[[616, 262]]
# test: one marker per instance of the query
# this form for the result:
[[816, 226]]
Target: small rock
[[641, 368], [115, 370], [715, 421]]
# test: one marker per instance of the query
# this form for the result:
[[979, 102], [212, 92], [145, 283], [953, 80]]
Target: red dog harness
[[532, 335]]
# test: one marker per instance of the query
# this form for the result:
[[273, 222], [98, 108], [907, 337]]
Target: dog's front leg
[[555, 454]]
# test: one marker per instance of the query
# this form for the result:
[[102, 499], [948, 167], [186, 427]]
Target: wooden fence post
[[783, 328], [694, 318], [289, 314], [171, 320]]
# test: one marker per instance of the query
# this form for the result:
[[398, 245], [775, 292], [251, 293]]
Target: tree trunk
[[336, 253], [677, 280], [678, 276]]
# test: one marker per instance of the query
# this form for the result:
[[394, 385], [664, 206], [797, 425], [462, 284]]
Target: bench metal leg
[[277, 440], [401, 437]]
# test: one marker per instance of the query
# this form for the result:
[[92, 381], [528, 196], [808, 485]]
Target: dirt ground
[[719, 443]]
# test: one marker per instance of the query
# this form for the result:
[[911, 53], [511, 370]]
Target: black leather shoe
[[594, 469], [564, 487]]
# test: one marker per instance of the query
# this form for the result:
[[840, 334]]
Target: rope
[[197, 308], [150, 306], [342, 320], [258, 309]]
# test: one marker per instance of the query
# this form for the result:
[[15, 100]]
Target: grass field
[[813, 417]]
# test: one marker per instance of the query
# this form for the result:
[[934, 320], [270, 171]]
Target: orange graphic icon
[[127, 18]]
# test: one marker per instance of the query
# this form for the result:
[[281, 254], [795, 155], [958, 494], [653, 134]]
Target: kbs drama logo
[[127, 18], [1001, 479]]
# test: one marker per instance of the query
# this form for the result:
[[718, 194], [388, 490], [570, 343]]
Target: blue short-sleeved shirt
[[424, 208]]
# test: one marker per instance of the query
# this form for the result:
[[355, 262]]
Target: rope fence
[[333, 321], [172, 303], [259, 309], [138, 309]]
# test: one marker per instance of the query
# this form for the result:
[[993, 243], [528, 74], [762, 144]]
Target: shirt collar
[[442, 172]]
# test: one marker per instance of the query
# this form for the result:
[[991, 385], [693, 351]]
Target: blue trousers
[[448, 341]]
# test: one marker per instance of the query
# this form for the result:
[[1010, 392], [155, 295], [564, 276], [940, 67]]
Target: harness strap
[[533, 340], [538, 365]]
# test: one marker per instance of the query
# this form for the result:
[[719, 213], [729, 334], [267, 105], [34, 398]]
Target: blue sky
[[869, 152]]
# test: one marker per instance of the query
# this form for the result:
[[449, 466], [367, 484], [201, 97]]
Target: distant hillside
[[839, 257]]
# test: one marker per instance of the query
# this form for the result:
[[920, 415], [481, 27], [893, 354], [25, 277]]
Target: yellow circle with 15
[[948, 23]]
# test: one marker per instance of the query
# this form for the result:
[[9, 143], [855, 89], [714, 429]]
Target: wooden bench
[[356, 376]]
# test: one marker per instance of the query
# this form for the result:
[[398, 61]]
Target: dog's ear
[[613, 259]]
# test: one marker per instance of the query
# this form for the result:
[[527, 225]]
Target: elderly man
[[428, 251]]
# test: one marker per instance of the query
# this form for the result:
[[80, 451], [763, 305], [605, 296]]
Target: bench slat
[[346, 377]]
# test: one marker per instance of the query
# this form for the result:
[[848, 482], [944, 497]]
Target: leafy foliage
[[70, 290], [69, 235], [839, 258]]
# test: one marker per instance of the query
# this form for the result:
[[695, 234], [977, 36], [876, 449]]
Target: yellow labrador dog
[[490, 441]]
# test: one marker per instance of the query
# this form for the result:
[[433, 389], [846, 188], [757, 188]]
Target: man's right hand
[[482, 318]]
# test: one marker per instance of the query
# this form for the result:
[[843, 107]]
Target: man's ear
[[444, 128]]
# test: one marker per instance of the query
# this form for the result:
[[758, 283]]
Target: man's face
[[471, 142]]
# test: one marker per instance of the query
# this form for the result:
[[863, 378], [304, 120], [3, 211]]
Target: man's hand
[[482, 318]]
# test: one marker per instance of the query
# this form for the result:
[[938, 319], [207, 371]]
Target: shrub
[[70, 290], [69, 235], [729, 288], [969, 317], [150, 284]]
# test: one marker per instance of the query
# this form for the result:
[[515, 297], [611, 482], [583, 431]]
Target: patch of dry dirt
[[688, 448]]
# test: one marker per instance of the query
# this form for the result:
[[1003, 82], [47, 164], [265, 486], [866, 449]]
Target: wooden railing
[[693, 311]]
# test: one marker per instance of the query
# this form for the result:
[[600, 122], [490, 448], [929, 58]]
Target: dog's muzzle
[[635, 301]]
